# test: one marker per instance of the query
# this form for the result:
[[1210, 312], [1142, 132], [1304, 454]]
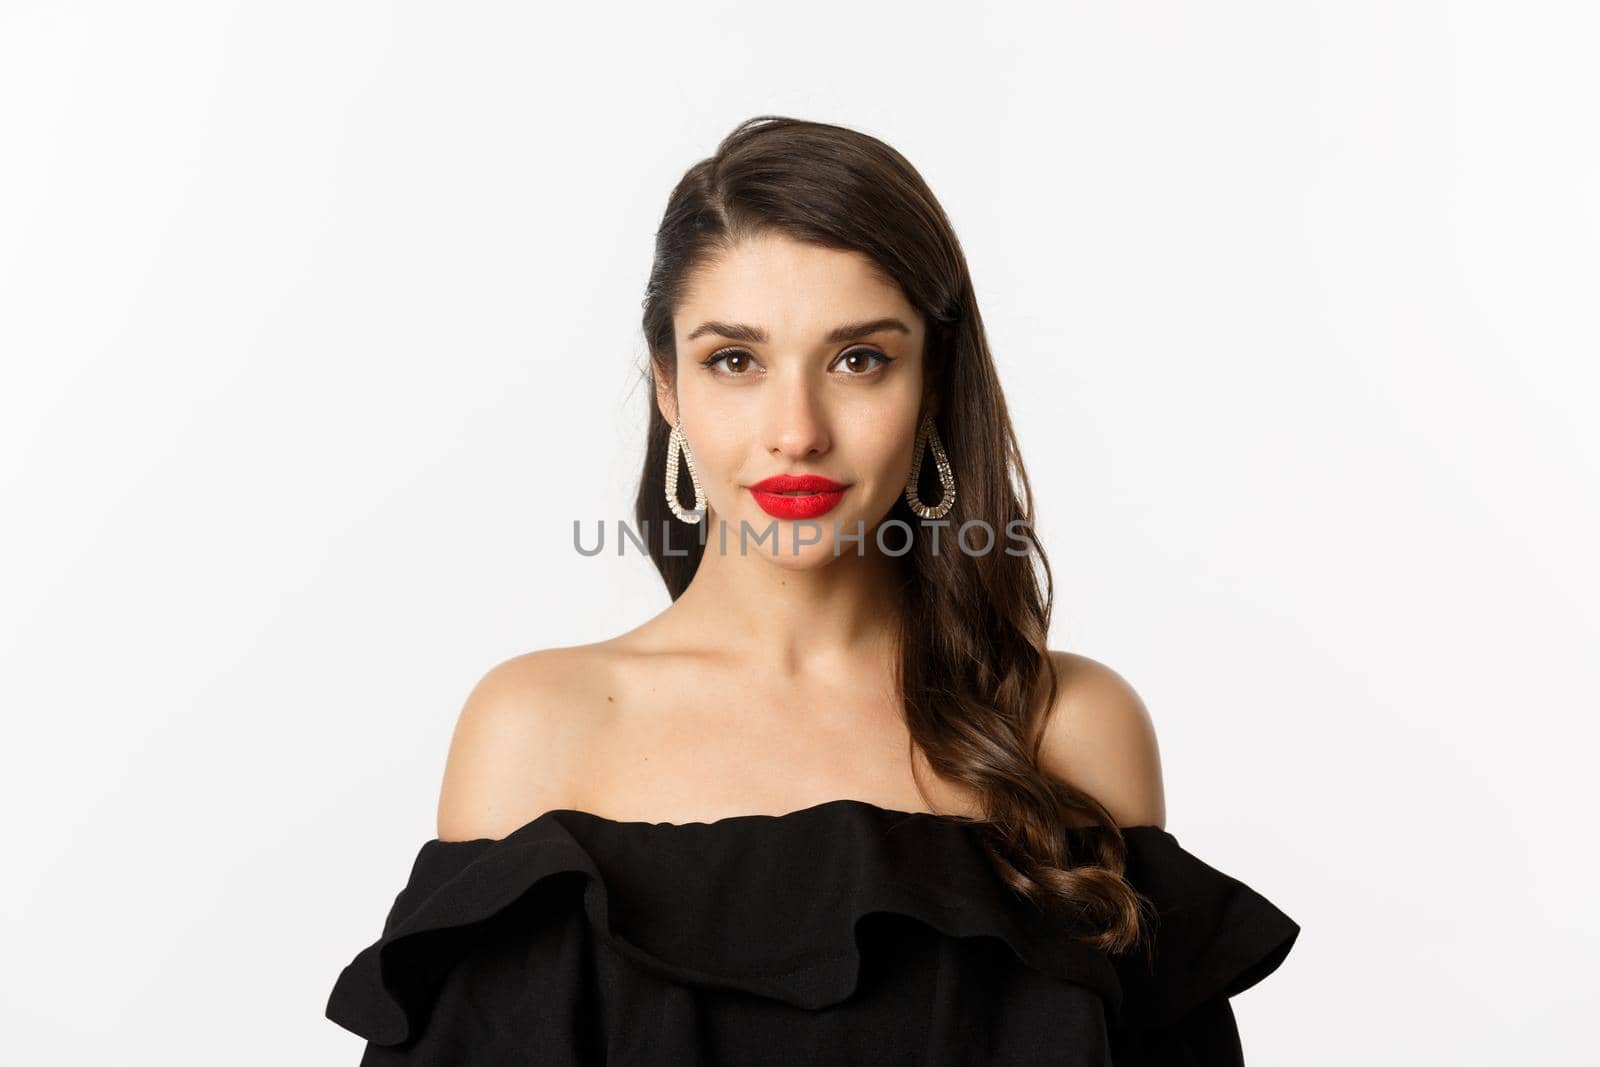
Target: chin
[[803, 557], [808, 558]]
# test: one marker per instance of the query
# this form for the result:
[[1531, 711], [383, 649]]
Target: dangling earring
[[677, 443], [928, 434]]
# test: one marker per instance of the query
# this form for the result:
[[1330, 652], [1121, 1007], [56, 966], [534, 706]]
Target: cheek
[[720, 440], [881, 446]]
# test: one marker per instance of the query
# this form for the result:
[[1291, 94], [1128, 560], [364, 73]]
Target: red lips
[[797, 496]]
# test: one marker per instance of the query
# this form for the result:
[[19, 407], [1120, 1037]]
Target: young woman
[[839, 802]]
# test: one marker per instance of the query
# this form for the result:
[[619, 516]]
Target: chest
[[677, 744]]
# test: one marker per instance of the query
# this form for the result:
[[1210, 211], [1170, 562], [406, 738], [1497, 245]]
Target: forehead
[[790, 286]]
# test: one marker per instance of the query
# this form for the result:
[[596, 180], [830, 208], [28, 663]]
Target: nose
[[796, 424]]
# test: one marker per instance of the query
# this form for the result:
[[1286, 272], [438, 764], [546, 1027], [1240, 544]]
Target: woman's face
[[794, 359]]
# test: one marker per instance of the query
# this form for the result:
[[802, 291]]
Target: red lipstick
[[797, 496]]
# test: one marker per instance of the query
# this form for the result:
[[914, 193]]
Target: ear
[[666, 398]]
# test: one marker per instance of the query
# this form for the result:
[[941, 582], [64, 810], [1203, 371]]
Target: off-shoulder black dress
[[842, 933]]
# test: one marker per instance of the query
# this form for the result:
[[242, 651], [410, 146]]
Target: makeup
[[797, 496]]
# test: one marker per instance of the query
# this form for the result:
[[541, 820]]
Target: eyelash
[[883, 360]]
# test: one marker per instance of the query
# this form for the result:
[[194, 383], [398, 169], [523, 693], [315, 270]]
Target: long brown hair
[[975, 669]]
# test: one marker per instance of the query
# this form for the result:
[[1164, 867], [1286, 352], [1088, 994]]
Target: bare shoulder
[[518, 743], [1099, 737]]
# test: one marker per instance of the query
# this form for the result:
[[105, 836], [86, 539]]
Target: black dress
[[842, 933]]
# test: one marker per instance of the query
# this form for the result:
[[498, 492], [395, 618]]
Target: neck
[[793, 619]]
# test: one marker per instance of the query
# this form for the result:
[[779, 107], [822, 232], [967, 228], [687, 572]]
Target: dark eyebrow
[[755, 335]]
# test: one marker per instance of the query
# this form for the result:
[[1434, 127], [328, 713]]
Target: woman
[[839, 802]]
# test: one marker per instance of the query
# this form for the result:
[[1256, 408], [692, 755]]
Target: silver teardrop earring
[[928, 434], [677, 443]]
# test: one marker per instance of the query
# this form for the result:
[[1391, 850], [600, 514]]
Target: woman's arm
[[514, 749], [1100, 739]]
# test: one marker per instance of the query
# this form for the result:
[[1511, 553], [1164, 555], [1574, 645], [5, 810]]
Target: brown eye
[[734, 357], [859, 360]]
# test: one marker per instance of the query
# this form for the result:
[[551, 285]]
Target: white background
[[320, 325]]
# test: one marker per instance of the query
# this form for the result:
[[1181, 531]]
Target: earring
[[927, 433], [677, 443]]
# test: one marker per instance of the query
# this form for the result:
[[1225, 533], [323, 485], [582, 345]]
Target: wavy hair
[[975, 672]]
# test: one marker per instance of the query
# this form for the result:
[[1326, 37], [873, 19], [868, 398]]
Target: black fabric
[[841, 933]]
